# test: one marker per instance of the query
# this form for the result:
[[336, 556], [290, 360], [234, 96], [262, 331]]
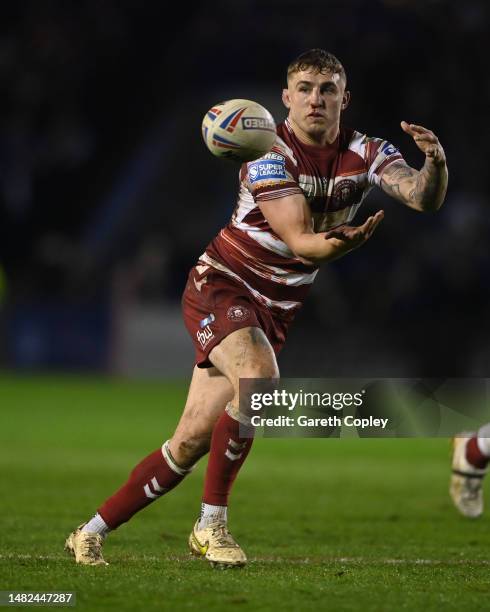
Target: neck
[[317, 139]]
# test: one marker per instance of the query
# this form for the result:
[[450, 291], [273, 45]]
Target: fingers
[[366, 227], [336, 232], [411, 128], [366, 230], [415, 130], [406, 127], [428, 144], [356, 235], [425, 139], [374, 221], [418, 128]]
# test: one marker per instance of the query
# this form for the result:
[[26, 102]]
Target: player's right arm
[[291, 220]]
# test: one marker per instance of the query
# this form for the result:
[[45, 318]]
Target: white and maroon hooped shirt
[[334, 179]]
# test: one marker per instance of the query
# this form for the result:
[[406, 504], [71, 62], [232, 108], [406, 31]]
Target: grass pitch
[[327, 524]]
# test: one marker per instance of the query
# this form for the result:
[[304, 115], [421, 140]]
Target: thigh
[[245, 353]]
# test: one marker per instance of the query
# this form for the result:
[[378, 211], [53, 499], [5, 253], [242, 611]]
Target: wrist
[[439, 162]]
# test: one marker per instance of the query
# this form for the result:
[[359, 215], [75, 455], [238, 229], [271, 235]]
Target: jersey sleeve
[[275, 175], [380, 155]]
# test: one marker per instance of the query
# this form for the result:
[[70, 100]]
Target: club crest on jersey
[[345, 193], [238, 313], [266, 170]]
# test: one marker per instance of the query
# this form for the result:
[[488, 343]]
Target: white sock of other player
[[483, 440], [212, 514], [97, 525]]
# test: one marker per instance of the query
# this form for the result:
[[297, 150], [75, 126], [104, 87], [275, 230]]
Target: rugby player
[[294, 212]]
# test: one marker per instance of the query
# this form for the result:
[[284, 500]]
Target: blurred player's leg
[[471, 454], [246, 353], [160, 471]]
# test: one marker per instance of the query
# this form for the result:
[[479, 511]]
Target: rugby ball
[[241, 130]]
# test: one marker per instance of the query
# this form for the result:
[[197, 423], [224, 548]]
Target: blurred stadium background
[[107, 194]]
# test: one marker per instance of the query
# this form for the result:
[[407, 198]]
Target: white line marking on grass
[[67, 557], [369, 561], [364, 561]]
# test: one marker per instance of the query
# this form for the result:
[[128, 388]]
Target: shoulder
[[359, 143], [273, 175], [373, 148], [279, 163]]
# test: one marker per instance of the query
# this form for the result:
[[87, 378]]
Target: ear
[[345, 100], [285, 98]]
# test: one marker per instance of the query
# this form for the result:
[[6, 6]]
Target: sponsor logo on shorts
[[267, 170], [238, 313], [205, 336]]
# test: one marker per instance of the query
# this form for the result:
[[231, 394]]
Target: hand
[[426, 141], [355, 236]]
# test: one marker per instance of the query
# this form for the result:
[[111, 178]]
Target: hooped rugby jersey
[[334, 179]]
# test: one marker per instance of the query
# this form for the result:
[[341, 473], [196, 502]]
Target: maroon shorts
[[214, 305]]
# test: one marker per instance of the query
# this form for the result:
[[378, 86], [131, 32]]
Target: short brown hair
[[319, 60]]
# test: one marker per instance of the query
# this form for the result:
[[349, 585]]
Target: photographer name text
[[329, 421]]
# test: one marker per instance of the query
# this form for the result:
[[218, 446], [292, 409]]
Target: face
[[315, 101]]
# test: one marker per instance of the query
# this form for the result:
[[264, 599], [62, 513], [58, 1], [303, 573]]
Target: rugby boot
[[86, 547], [216, 544]]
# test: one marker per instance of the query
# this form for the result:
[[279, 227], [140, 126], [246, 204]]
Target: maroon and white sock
[[473, 454], [226, 456], [156, 475], [478, 448]]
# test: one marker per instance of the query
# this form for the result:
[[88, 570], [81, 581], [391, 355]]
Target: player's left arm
[[423, 189]]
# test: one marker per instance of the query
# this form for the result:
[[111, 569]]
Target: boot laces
[[222, 536], [91, 545]]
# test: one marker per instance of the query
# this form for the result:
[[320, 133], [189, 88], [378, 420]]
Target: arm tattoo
[[399, 181], [431, 187], [423, 190]]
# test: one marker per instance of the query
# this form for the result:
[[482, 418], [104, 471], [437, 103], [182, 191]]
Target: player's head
[[316, 94]]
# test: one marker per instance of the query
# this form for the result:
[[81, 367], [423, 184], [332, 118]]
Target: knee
[[195, 445], [189, 448], [260, 369], [261, 378]]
